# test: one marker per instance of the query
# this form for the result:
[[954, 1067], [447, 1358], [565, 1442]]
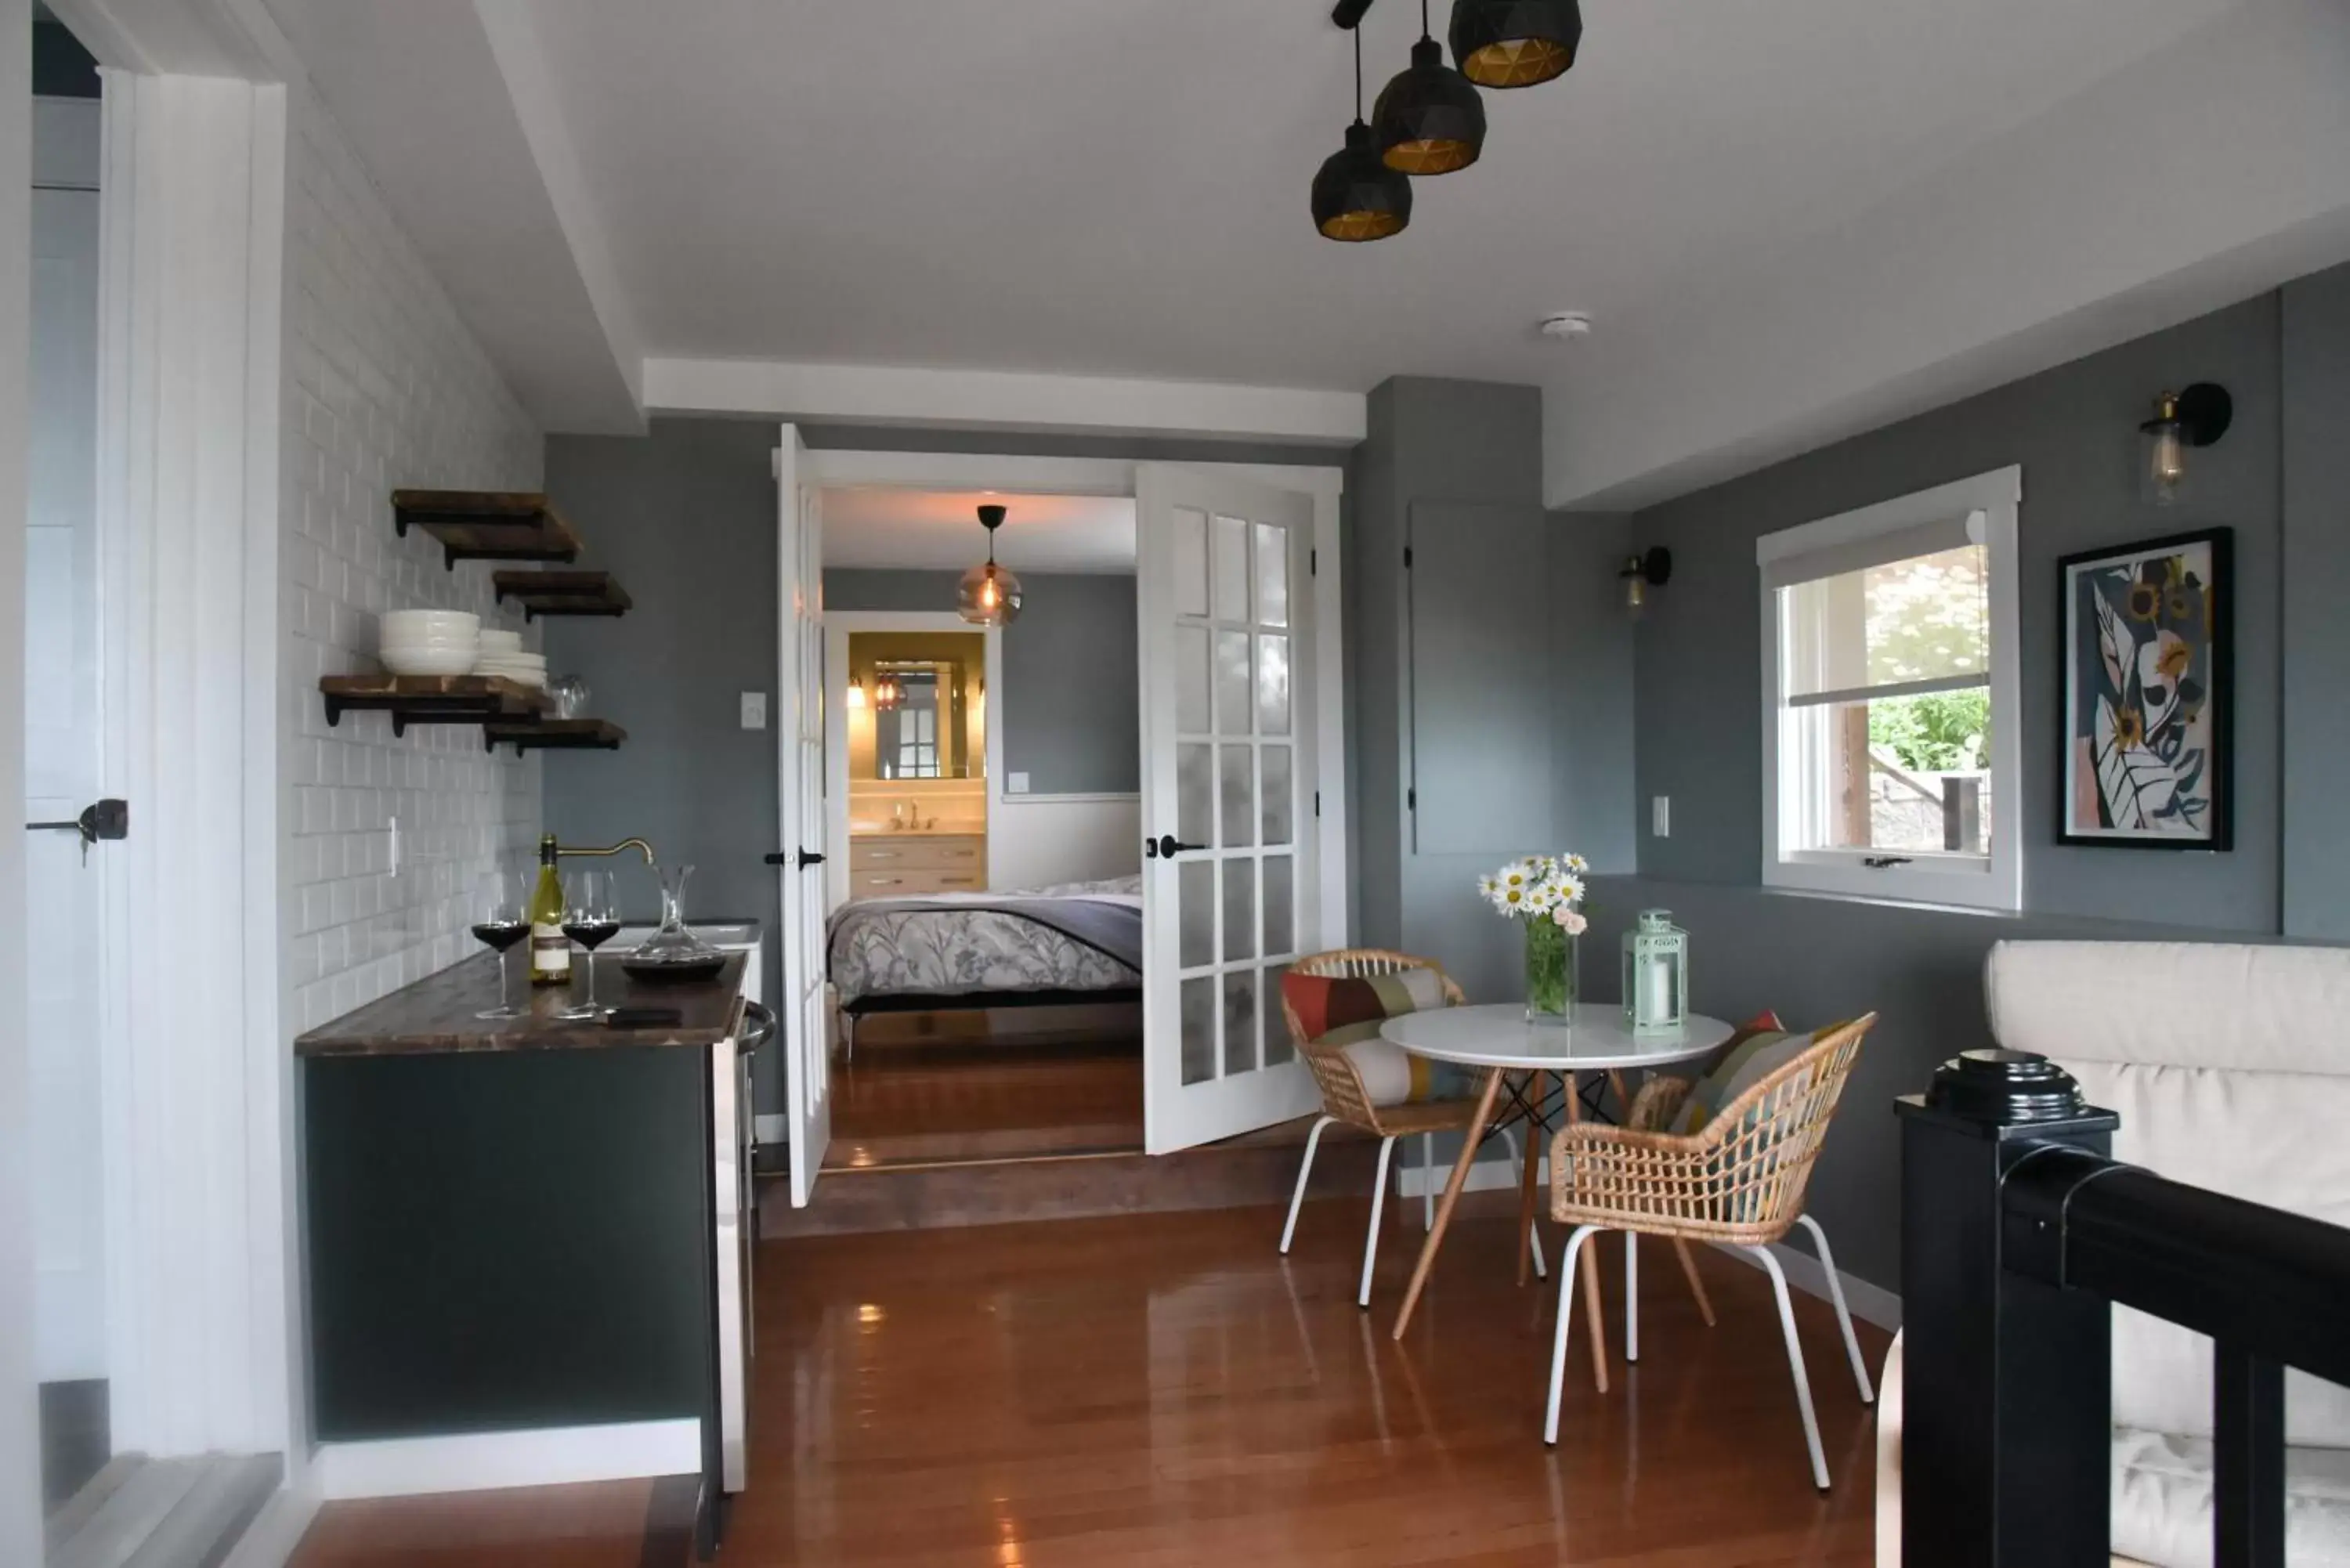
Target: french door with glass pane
[[1230, 885]]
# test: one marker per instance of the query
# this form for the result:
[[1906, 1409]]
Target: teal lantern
[[1656, 974]]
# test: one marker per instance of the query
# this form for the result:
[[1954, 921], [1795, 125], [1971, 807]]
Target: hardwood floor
[[1156, 1391], [919, 1101]]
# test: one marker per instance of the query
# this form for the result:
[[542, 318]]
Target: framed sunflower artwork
[[2148, 706]]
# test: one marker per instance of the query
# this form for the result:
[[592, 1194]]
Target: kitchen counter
[[526, 1240], [436, 1014]]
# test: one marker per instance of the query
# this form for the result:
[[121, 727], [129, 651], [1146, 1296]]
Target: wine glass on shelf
[[500, 923], [591, 917]]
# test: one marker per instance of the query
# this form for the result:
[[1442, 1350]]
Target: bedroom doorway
[[982, 1071], [980, 800]]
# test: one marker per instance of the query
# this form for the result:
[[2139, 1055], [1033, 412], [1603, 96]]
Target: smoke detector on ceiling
[[1566, 325]]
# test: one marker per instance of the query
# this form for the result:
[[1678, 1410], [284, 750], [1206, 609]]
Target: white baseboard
[[771, 1126], [482, 1461], [1483, 1177], [270, 1540], [1871, 1304]]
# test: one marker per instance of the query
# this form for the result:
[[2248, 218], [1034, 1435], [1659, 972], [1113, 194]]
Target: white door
[[804, 1038], [62, 768], [1230, 887]]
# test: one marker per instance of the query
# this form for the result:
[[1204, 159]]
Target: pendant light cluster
[[1429, 119], [989, 594]]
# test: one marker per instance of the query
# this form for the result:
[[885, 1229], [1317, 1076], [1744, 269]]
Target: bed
[[1078, 942]]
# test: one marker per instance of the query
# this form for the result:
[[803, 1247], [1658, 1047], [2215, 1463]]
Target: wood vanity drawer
[[918, 852], [912, 884]]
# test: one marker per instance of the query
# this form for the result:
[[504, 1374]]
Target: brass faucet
[[637, 844]]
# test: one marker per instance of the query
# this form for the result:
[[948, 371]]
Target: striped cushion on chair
[[1346, 1012]]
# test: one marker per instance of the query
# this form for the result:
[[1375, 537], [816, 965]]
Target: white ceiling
[[928, 530], [1119, 186], [1791, 220]]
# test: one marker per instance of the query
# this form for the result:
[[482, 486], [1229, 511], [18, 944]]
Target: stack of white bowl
[[428, 642], [501, 653]]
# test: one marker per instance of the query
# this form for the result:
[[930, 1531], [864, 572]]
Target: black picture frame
[[2173, 715]]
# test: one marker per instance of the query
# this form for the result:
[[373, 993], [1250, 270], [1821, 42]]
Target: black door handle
[[798, 859], [1170, 847]]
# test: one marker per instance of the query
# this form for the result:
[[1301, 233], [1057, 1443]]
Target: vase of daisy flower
[[1545, 893]]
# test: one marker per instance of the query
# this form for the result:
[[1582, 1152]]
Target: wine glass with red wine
[[591, 917], [499, 923]]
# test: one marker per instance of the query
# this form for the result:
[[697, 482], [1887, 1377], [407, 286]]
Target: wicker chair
[[1344, 1099], [1738, 1182]]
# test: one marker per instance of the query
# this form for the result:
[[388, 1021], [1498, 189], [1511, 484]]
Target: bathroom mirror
[[916, 706]]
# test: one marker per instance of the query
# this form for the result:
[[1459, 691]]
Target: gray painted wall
[[2316, 322], [2278, 479], [1454, 469], [1071, 704], [2074, 430], [686, 519]]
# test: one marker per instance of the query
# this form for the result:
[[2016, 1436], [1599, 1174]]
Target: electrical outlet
[[1661, 817], [755, 710], [1015, 783]]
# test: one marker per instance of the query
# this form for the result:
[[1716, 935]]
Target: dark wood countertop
[[436, 1015]]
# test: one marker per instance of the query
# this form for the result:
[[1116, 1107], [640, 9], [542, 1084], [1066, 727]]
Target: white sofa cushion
[[2162, 1502], [2229, 1066]]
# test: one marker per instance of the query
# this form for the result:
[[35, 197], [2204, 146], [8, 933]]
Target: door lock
[[798, 859], [105, 820], [1166, 846]]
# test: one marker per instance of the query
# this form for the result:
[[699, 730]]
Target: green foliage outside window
[[1941, 732]]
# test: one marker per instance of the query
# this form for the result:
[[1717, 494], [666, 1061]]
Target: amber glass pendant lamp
[[990, 595]]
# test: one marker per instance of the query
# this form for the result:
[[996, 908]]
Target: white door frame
[[1115, 476], [838, 626], [20, 1449]]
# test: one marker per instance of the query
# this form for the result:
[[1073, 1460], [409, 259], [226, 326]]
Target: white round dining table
[[1497, 1038]]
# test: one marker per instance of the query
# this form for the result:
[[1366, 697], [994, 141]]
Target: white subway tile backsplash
[[385, 387]]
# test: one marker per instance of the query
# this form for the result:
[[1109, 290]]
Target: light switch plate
[[755, 710], [1660, 815], [1015, 783]]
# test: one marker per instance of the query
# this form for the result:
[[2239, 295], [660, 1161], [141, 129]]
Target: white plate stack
[[501, 654], [428, 642]]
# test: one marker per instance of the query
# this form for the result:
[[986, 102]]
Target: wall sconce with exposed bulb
[[854, 697], [2197, 417], [1652, 568]]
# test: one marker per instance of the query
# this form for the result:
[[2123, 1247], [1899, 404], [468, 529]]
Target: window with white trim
[[1889, 706]]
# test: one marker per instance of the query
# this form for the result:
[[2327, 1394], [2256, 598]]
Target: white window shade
[[1914, 620]]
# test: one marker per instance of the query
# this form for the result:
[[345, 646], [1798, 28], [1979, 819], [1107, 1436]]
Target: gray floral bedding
[[949, 944]]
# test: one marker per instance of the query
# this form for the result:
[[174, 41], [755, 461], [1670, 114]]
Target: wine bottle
[[550, 950]]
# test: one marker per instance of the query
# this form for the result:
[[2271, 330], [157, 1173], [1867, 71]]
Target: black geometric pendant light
[[1356, 196], [1514, 43], [1429, 119]]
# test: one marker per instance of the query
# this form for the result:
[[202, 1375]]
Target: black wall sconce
[[1652, 568], [2197, 417]]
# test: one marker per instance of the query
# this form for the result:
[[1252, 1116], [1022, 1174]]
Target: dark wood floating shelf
[[433, 699], [555, 735], [487, 524], [562, 593]]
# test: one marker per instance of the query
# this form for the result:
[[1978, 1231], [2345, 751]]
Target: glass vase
[[1550, 972]]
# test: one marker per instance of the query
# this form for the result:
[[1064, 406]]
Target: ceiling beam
[[1003, 399]]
